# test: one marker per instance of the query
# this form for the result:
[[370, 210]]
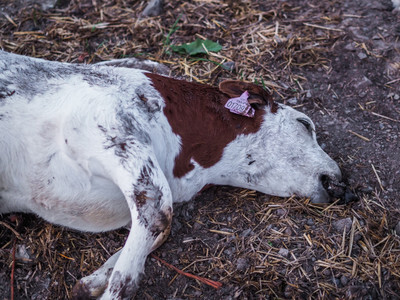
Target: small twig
[[62, 255], [10, 20], [393, 81], [360, 136], [377, 177], [384, 117], [209, 282], [352, 16], [308, 239], [221, 232], [28, 32], [17, 235], [102, 246], [351, 241], [13, 268], [379, 274], [322, 27]]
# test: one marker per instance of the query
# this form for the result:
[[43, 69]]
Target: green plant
[[199, 46]]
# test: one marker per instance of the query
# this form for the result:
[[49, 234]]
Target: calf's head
[[274, 152], [282, 157]]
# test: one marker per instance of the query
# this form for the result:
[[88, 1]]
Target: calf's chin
[[320, 196]]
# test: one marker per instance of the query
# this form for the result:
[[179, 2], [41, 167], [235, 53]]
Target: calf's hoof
[[82, 292]]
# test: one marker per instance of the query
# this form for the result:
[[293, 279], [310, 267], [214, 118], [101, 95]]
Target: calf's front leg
[[150, 202]]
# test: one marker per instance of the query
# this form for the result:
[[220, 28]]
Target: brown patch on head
[[197, 114]]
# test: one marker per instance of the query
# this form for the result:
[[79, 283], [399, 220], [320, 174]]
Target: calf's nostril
[[332, 185], [337, 189]]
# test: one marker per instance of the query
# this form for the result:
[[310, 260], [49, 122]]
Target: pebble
[[229, 65], [397, 229], [364, 82], [242, 264], [362, 55], [23, 254], [293, 101], [47, 4], [288, 231], [153, 8], [281, 212], [246, 232], [340, 225], [336, 281], [357, 237], [284, 85], [283, 252], [367, 189], [196, 226], [350, 47], [396, 97], [229, 251], [288, 292], [344, 280], [197, 293]]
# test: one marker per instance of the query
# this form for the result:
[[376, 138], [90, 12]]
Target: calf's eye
[[306, 123]]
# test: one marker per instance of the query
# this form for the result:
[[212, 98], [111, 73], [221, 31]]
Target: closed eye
[[306, 124]]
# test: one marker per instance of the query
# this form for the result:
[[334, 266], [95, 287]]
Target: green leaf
[[197, 47]]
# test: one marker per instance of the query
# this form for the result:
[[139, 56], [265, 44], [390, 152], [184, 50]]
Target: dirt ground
[[337, 61]]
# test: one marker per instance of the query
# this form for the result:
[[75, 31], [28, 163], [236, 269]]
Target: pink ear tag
[[240, 105]]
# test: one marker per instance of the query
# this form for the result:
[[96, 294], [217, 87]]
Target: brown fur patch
[[81, 292], [197, 114]]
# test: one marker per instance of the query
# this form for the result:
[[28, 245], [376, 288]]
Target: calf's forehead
[[283, 132], [286, 118]]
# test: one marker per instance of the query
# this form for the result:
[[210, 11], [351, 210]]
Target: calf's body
[[99, 147]]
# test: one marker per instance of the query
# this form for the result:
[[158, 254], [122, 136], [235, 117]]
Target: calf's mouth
[[338, 190]]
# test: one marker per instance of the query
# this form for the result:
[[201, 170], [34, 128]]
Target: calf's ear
[[234, 88]]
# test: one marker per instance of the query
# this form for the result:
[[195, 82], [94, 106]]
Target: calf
[[99, 147]]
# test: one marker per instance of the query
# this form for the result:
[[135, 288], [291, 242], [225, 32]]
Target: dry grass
[[285, 248], [295, 245]]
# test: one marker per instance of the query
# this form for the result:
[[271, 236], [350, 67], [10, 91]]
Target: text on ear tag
[[240, 106]]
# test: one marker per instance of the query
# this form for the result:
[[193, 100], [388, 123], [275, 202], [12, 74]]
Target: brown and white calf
[[99, 147]]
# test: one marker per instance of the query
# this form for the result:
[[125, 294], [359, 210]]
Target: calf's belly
[[101, 207]]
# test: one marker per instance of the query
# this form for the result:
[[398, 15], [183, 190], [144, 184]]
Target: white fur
[[77, 140]]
